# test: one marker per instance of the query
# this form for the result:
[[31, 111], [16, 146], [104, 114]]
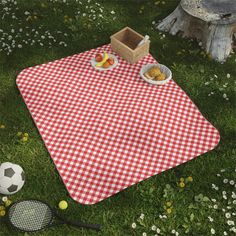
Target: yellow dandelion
[[168, 204], [2, 126], [182, 184], [181, 179], [26, 135], [168, 211], [2, 213], [19, 133], [2, 208], [8, 203], [24, 139], [190, 179]]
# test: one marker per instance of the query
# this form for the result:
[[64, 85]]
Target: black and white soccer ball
[[12, 178]]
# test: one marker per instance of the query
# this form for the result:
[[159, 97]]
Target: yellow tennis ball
[[63, 205]]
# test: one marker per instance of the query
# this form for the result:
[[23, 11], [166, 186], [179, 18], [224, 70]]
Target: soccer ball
[[12, 178]]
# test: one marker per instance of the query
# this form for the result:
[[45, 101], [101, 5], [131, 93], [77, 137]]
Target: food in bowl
[[104, 60], [101, 62], [98, 57], [154, 73], [160, 77], [157, 73], [106, 64]]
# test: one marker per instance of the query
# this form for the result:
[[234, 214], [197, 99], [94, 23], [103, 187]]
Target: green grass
[[191, 71]]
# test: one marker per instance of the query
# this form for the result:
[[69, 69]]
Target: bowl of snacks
[[104, 61], [156, 73]]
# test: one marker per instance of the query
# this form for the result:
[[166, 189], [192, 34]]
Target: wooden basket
[[125, 44]]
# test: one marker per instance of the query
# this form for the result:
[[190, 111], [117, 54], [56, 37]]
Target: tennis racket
[[34, 215]]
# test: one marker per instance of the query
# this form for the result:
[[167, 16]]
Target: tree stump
[[213, 22]]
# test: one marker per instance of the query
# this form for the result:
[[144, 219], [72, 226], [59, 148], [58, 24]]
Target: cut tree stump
[[212, 22]]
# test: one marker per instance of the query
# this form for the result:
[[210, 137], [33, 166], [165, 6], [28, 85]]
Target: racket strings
[[30, 215]]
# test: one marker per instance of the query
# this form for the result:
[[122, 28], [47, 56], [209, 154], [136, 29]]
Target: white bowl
[[164, 69], [93, 62]]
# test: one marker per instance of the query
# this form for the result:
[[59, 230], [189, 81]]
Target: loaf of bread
[[154, 71]]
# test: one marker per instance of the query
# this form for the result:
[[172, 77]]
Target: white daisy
[[4, 199], [213, 231], [230, 222], [134, 225], [141, 216], [210, 219], [154, 228], [225, 181]]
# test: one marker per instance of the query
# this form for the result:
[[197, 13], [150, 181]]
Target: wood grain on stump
[[213, 22]]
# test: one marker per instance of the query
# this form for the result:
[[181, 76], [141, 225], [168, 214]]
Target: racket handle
[[79, 223], [85, 225]]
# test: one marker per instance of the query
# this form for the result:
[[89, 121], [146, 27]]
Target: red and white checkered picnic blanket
[[107, 130]]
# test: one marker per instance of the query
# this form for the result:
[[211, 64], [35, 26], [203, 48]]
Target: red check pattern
[[108, 130]]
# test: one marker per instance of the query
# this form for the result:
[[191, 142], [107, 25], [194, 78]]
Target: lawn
[[35, 32]]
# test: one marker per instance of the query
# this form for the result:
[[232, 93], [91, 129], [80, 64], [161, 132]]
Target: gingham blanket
[[108, 130]]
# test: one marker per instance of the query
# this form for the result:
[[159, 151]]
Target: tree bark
[[215, 30]]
